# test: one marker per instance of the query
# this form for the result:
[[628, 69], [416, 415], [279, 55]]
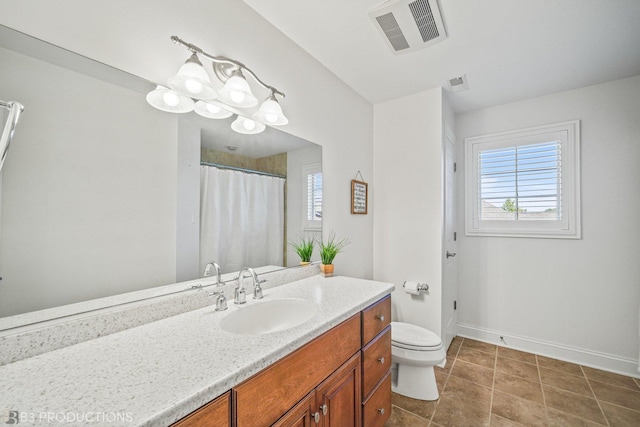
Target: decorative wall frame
[[359, 197]]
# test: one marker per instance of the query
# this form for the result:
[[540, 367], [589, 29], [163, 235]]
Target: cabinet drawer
[[266, 396], [376, 361], [214, 414], [375, 318], [377, 409]]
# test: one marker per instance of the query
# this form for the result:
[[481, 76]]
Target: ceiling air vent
[[458, 84], [408, 25]]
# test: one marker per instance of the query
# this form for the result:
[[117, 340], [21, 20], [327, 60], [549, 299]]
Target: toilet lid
[[414, 337]]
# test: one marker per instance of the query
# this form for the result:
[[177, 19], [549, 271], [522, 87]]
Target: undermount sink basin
[[268, 316]]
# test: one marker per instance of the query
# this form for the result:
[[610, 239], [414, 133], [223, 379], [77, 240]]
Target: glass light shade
[[212, 110], [170, 101], [193, 80], [270, 113], [247, 126], [237, 93]]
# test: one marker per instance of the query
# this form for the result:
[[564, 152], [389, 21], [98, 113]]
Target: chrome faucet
[[241, 295], [221, 300], [207, 271]]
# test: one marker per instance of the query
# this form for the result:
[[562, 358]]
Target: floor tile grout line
[[493, 384], [619, 406], [407, 411], [435, 408], [611, 385], [604, 401], [544, 398]]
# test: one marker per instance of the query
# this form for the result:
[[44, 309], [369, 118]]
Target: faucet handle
[[221, 301]]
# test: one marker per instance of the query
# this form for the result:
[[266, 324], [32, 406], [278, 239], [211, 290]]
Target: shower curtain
[[241, 219]]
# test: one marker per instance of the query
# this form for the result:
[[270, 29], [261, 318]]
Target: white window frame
[[568, 227], [309, 169]]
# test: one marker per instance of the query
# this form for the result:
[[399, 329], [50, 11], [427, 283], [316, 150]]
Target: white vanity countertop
[[155, 374]]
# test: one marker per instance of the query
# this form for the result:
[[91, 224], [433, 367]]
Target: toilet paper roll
[[411, 288]]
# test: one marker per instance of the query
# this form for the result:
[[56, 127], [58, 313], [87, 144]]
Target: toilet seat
[[412, 337]]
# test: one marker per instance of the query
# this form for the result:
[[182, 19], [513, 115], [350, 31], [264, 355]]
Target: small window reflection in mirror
[[313, 197]]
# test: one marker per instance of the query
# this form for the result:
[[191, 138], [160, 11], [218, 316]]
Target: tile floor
[[488, 385]]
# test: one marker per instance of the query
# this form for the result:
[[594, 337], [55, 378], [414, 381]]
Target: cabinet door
[[301, 415], [339, 396], [264, 398], [214, 414]]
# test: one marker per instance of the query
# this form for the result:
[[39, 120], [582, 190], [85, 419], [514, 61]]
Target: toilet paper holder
[[422, 287]]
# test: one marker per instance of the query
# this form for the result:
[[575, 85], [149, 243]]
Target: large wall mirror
[[101, 194]]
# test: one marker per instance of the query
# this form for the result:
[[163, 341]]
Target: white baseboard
[[606, 362]]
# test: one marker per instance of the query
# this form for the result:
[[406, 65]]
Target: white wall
[[296, 202], [573, 299], [134, 36], [188, 200], [407, 241], [81, 156]]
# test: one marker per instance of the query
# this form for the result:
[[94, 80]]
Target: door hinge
[[455, 305], [455, 167], [455, 236]]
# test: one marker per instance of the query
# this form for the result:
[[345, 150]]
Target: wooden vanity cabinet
[[216, 413], [338, 397], [264, 398], [334, 403], [340, 379], [301, 415]]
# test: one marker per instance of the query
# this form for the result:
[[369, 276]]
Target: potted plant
[[304, 248], [329, 250]]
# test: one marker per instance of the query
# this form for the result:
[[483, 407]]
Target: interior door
[[450, 268]]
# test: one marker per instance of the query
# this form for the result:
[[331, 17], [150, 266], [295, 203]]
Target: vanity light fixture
[[191, 89], [169, 100], [270, 112], [247, 126], [212, 110]]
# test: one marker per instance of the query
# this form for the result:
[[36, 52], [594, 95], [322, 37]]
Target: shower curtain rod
[[233, 168]]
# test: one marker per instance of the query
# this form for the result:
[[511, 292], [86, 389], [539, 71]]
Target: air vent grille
[[425, 21], [408, 25], [392, 30]]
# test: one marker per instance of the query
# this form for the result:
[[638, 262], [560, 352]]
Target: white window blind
[[314, 196], [312, 202], [524, 183], [521, 183]]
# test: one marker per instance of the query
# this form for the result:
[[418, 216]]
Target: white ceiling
[[509, 49]]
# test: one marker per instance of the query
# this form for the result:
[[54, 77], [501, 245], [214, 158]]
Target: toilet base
[[416, 382]]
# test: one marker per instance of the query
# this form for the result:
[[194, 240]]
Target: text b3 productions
[[10, 416]]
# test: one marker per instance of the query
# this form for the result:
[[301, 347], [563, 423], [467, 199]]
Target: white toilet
[[414, 353]]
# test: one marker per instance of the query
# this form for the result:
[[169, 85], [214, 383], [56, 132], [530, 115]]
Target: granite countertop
[[155, 374]]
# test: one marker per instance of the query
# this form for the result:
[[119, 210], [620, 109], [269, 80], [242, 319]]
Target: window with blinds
[[313, 196], [520, 183], [524, 183]]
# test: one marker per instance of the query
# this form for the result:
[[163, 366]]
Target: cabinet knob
[[381, 410], [316, 417], [381, 360], [323, 408], [380, 317]]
